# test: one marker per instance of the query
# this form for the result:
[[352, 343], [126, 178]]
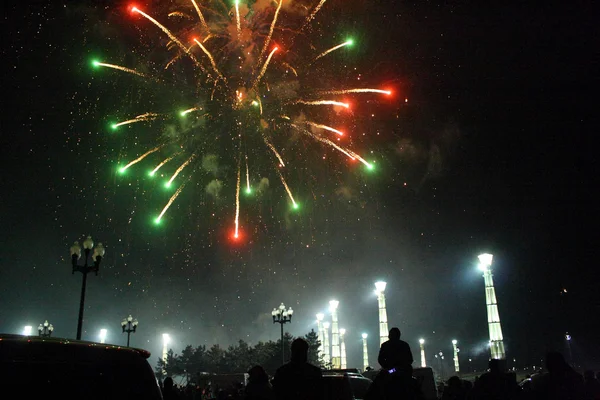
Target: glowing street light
[[495, 330], [383, 322], [343, 348], [456, 350], [102, 335], [27, 330], [326, 357], [282, 316], [45, 329], [320, 317], [422, 345], [129, 325], [365, 352], [335, 336], [97, 255]]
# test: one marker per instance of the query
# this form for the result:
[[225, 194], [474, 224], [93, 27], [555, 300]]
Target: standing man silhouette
[[395, 354], [298, 380]]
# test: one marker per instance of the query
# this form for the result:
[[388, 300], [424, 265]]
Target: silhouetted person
[[495, 384], [591, 386], [258, 386], [455, 390], [298, 380], [561, 382], [169, 392], [396, 353]]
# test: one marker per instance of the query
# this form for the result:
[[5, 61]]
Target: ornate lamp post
[[455, 350], [45, 329], [383, 322], [129, 325], [282, 316], [495, 330], [343, 347], [422, 345], [365, 352], [99, 252]]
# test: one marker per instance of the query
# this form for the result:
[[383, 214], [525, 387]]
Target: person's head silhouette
[[555, 363], [394, 334], [168, 383], [299, 350]]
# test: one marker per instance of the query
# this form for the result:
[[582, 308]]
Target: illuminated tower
[[422, 345], [102, 335], [343, 348], [456, 350], [320, 317], [496, 343], [166, 341], [365, 352], [335, 336], [383, 325], [326, 357]]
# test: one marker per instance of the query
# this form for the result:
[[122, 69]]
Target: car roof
[[56, 341]]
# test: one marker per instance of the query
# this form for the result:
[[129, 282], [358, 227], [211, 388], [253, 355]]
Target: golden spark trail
[[290, 67], [139, 118], [169, 34], [322, 102], [210, 57], [328, 128], [120, 68], [312, 15], [274, 150], [237, 18], [326, 141], [171, 200], [268, 40], [264, 68], [346, 91], [346, 43], [189, 110], [237, 201], [181, 167], [166, 160], [287, 189], [247, 176], [140, 158], [200, 15], [178, 14]]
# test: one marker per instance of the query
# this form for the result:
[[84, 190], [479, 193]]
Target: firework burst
[[253, 90]]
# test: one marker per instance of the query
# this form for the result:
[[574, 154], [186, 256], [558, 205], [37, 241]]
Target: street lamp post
[[335, 336], [365, 352], [383, 322], [422, 346], [129, 325], [99, 252], [343, 348], [455, 351], [282, 316], [45, 329], [495, 330]]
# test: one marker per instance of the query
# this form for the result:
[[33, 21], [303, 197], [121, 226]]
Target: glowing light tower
[[102, 335], [422, 345], [45, 329], [27, 330], [326, 356], [383, 322], [456, 350], [335, 336], [365, 352], [320, 317], [496, 343], [166, 341], [343, 348]]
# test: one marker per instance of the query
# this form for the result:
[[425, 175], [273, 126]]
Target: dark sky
[[490, 153]]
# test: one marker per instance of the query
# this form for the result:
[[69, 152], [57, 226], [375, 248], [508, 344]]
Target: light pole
[[27, 330], [455, 350], [335, 336], [342, 348], [326, 356], [99, 252], [422, 346], [166, 341], [282, 316], [320, 317], [568, 342], [383, 322], [129, 325], [496, 339], [440, 357], [45, 329], [365, 352], [102, 335]]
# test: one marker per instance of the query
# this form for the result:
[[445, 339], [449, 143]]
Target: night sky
[[490, 153]]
